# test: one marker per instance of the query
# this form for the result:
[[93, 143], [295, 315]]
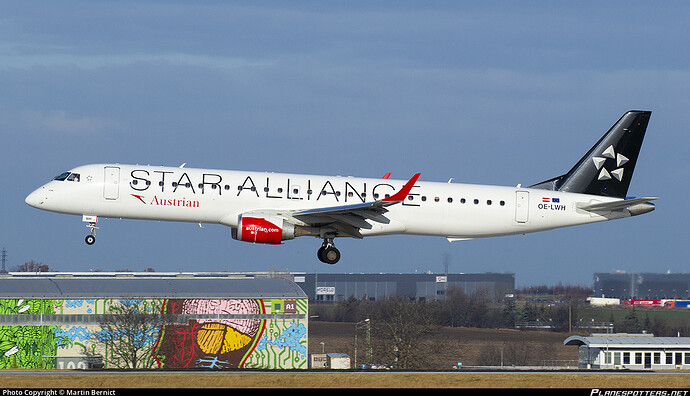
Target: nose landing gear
[[328, 253], [92, 220]]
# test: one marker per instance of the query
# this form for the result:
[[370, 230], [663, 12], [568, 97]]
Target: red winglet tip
[[386, 176], [402, 194]]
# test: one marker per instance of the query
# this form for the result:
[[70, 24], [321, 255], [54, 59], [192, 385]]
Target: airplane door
[[111, 184], [521, 206]]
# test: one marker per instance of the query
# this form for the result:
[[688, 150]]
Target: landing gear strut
[[328, 253], [91, 238]]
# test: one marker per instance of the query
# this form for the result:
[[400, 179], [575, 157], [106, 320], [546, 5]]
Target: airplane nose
[[36, 198]]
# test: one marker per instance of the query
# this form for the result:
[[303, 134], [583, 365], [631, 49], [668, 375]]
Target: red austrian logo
[[158, 201]]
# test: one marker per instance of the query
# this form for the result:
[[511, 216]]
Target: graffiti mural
[[197, 333], [26, 346], [210, 343]]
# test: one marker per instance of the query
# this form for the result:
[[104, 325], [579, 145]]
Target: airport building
[[64, 321], [642, 286], [324, 288], [631, 351]]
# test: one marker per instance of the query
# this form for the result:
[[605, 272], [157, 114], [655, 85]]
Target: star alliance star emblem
[[617, 173]]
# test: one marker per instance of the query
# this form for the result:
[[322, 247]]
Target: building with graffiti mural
[[170, 321]]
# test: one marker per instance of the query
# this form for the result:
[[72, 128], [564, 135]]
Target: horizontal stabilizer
[[635, 205]]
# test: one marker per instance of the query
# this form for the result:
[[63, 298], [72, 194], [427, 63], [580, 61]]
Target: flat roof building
[[417, 287], [57, 320], [631, 351], [644, 286]]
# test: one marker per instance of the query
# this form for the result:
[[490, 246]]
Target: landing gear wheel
[[329, 254], [91, 238]]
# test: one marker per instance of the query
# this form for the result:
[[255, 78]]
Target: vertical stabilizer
[[607, 168]]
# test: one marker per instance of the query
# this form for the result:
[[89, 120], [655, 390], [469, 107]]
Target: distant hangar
[[417, 287], [642, 286]]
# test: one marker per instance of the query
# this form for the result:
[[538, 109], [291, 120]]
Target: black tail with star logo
[[608, 166]]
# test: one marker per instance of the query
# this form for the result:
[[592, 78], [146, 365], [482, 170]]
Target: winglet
[[402, 194], [386, 176]]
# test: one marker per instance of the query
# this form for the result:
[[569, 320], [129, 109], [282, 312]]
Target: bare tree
[[32, 266], [401, 332], [129, 333]]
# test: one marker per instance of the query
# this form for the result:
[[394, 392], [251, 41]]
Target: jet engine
[[263, 229]]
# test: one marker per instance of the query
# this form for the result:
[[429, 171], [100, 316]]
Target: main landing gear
[[328, 253]]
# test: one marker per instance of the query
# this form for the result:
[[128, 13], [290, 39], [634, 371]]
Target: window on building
[[626, 357], [638, 357]]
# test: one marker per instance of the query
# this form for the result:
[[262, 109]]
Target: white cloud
[[59, 121], [84, 61]]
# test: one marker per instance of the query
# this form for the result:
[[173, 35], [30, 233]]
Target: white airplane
[[270, 208]]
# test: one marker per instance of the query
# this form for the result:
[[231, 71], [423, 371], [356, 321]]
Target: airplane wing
[[349, 219]]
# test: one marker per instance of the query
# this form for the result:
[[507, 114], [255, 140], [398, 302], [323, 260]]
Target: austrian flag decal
[[551, 204]]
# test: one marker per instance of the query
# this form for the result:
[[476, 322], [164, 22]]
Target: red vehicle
[[644, 303]]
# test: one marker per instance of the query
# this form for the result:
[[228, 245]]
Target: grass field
[[467, 345], [470, 346], [346, 380]]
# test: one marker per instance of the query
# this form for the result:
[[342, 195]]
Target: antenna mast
[[4, 260]]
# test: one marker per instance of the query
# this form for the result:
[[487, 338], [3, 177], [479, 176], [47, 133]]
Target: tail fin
[[607, 167]]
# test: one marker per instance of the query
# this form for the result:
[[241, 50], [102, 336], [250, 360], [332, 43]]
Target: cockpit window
[[67, 176]]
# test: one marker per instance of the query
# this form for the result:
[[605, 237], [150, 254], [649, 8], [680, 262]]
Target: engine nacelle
[[263, 229]]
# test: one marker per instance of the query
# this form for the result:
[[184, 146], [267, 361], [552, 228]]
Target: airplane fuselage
[[273, 207], [450, 210]]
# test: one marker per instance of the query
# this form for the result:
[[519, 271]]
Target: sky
[[499, 93]]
